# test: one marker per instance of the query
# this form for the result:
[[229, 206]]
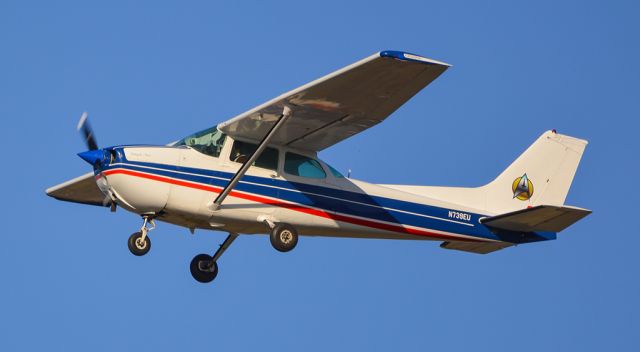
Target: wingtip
[[405, 56]]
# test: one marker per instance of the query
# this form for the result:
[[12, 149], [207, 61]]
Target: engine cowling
[[131, 179]]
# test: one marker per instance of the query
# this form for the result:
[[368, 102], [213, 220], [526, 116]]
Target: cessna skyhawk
[[259, 173]]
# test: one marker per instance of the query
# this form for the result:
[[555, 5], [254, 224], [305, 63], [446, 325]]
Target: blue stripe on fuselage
[[336, 200]]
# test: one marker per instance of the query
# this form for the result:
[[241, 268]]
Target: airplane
[[258, 173]]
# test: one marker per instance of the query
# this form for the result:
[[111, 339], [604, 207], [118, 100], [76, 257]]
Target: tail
[[542, 175]]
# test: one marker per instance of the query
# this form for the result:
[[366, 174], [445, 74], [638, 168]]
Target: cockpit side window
[[241, 151], [208, 142], [300, 165]]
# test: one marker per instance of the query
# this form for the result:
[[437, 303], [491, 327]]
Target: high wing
[[81, 189], [341, 104], [325, 111]]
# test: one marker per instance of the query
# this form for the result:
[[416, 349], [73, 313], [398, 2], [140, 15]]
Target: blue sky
[[151, 72]]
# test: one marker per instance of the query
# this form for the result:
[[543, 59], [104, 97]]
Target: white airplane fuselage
[[178, 184]]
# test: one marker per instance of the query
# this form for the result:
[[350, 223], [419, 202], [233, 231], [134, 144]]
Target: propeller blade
[[87, 132]]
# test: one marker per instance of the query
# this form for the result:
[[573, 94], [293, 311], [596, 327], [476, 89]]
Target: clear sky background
[[151, 72]]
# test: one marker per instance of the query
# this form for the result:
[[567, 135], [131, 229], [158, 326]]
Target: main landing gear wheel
[[139, 246], [203, 268], [284, 237]]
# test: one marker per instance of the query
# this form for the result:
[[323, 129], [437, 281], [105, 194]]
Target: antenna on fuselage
[[349, 173]]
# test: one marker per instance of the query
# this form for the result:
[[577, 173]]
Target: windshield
[[209, 141]]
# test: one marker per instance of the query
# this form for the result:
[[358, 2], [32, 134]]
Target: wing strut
[[286, 113]]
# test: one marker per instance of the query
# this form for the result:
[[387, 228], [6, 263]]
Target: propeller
[[87, 132], [94, 156]]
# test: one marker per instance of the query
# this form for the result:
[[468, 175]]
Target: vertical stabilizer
[[542, 175]]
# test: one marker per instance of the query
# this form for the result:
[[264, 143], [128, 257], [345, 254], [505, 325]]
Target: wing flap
[[475, 247], [341, 104], [81, 189], [540, 218]]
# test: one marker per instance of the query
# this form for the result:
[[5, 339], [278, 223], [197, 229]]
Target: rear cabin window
[[208, 142], [300, 165], [242, 151]]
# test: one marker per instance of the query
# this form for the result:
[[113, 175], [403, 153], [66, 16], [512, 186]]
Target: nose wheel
[[139, 243]]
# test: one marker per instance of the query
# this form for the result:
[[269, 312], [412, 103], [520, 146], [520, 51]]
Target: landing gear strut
[[204, 268], [139, 243]]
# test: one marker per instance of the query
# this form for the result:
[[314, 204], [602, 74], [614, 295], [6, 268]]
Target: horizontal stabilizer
[[476, 247], [547, 218]]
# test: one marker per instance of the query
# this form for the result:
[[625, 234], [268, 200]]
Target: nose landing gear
[[139, 243]]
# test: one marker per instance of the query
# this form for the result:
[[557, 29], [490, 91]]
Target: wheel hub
[[140, 244], [286, 236], [205, 266]]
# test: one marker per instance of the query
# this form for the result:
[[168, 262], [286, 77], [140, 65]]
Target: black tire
[[200, 275], [284, 237], [136, 246]]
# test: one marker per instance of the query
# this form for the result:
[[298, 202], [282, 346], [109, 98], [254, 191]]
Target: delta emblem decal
[[522, 188]]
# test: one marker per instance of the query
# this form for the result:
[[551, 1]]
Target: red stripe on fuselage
[[290, 206]]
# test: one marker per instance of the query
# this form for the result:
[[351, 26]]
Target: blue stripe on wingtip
[[401, 55]]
